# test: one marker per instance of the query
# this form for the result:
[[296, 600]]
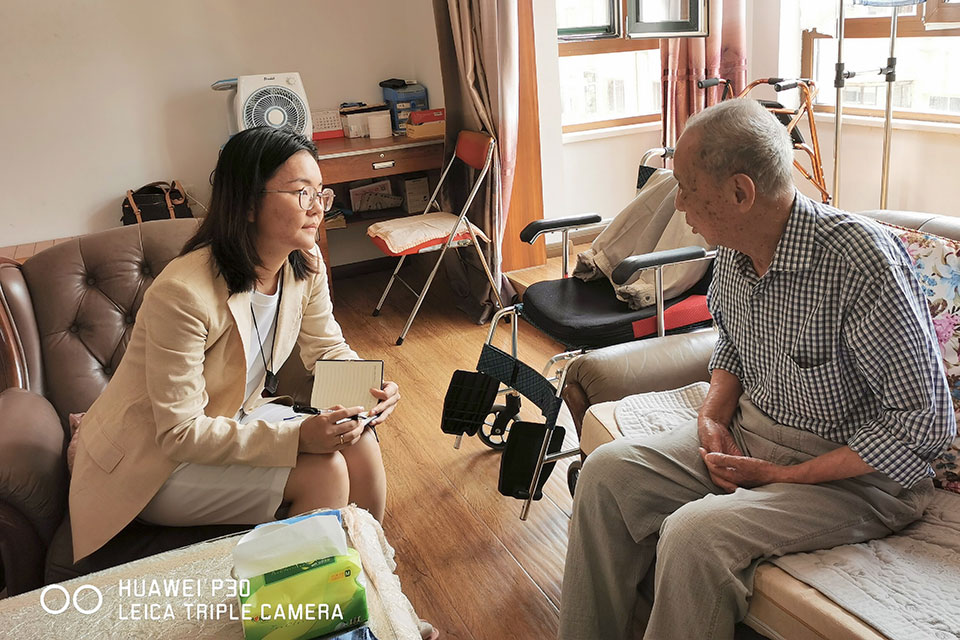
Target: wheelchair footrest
[[519, 459], [468, 400]]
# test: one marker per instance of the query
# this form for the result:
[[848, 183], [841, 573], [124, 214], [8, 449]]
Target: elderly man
[[827, 401]]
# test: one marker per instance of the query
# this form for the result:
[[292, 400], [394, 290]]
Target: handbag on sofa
[[155, 201]]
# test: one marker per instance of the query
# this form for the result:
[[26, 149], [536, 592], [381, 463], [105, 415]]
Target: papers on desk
[[346, 382], [334, 219]]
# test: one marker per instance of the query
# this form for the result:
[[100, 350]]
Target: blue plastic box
[[412, 97]]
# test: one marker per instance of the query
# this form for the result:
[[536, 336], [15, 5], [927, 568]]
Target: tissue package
[[305, 600]]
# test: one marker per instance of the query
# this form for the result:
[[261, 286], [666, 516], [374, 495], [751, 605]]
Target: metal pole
[[888, 113], [839, 82]]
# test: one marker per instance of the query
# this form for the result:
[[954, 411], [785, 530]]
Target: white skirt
[[197, 494]]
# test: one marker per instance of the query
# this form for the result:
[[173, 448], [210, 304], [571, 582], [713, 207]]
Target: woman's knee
[[313, 470]]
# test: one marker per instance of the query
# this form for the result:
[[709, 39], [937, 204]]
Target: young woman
[[187, 431]]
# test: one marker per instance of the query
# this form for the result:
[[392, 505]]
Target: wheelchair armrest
[[657, 364], [629, 266], [539, 227]]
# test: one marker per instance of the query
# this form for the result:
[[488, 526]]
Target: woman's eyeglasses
[[309, 195]]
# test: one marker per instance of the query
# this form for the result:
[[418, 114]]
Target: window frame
[[876, 27], [618, 43], [940, 12], [581, 34], [697, 25]]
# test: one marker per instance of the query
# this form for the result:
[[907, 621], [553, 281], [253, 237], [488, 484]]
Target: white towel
[[649, 223]]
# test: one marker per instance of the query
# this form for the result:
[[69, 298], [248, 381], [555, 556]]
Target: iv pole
[[839, 81], [890, 75]]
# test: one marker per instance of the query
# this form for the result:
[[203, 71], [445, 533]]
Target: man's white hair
[[741, 136]]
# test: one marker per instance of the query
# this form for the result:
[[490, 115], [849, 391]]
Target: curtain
[[478, 42], [684, 61]]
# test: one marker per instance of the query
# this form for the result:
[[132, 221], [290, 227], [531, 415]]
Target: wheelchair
[[581, 315]]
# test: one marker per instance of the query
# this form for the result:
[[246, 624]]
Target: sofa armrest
[[33, 470], [657, 364]]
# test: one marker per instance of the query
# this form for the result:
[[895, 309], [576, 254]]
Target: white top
[[264, 316]]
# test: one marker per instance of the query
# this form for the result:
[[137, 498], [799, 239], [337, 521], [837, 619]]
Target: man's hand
[[716, 438], [322, 434], [388, 395], [731, 471]]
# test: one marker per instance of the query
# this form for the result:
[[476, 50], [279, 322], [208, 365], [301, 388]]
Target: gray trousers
[[652, 534]]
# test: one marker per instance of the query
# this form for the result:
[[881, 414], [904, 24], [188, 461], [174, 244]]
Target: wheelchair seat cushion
[[582, 314], [419, 234]]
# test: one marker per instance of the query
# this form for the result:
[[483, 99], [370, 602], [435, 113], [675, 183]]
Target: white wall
[[599, 173], [548, 97], [105, 95]]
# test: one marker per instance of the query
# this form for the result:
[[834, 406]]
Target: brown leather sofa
[[781, 606], [65, 321]]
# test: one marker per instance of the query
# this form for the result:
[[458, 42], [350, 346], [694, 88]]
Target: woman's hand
[[388, 395], [321, 434]]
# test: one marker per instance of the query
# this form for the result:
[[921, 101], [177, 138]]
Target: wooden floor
[[465, 560]]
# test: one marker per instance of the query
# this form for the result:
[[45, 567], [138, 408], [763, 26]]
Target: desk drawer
[[381, 163]]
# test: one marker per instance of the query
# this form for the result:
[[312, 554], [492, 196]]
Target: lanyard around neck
[[270, 382]]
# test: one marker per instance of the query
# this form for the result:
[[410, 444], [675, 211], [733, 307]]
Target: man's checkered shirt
[[836, 338]]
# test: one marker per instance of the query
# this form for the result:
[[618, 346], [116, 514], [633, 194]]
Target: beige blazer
[[180, 383]]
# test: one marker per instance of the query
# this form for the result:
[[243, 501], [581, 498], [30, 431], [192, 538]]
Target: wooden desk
[[346, 159]]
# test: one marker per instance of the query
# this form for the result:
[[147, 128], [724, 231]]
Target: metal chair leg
[[486, 268], [393, 277], [423, 294]]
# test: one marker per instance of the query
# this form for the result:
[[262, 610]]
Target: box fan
[[275, 100]]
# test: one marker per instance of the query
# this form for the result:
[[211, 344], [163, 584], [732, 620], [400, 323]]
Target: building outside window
[[928, 61], [606, 78]]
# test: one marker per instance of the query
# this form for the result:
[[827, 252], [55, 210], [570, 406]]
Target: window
[[606, 78], [609, 89], [928, 62], [584, 19]]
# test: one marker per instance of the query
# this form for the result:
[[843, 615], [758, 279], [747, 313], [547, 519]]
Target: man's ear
[[744, 191]]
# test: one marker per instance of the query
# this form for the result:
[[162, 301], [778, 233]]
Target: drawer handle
[[384, 165]]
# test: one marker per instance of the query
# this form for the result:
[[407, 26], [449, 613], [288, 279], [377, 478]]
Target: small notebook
[[346, 382]]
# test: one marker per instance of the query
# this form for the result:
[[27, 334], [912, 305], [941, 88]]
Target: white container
[[378, 123]]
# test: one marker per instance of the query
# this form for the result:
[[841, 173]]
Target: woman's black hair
[[246, 163]]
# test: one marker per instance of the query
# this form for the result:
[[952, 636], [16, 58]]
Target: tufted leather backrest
[[84, 295]]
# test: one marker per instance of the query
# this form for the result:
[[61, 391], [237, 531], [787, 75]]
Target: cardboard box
[[428, 115], [355, 125], [416, 194], [354, 120], [427, 129]]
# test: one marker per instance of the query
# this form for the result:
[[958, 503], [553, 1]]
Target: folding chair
[[438, 230]]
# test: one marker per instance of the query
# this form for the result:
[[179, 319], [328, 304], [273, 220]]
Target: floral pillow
[[936, 262]]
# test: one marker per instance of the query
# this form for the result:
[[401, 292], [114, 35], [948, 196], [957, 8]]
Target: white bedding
[[907, 586]]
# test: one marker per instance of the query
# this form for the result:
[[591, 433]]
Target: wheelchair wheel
[[493, 432], [573, 474]]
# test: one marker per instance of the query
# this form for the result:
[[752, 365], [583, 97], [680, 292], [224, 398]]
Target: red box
[[427, 115], [326, 135]]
